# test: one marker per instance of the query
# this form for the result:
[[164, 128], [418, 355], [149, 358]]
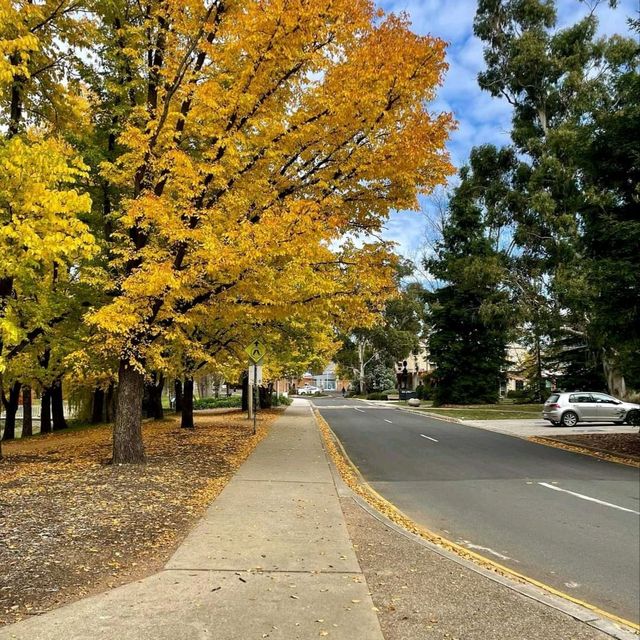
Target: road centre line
[[360, 410], [428, 437], [590, 499], [389, 421]]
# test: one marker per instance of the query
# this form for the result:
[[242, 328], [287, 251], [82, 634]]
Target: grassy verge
[[485, 412]]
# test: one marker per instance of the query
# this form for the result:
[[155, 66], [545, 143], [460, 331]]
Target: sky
[[481, 118]]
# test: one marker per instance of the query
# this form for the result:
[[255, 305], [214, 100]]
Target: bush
[[281, 400], [377, 396], [520, 396], [230, 402]]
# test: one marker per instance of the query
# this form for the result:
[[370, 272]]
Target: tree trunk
[[177, 387], [110, 403], [187, 405], [45, 411], [616, 384], [57, 406], [266, 396], [128, 447], [154, 397], [27, 413], [11, 408], [245, 392], [97, 407]]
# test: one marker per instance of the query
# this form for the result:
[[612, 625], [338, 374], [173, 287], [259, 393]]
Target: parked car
[[570, 408], [308, 390]]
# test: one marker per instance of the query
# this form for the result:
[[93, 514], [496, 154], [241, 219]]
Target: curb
[[587, 450], [528, 587]]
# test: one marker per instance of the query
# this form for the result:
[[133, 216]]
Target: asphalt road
[[567, 520]]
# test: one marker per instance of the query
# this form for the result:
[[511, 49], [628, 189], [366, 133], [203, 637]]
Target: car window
[[580, 398], [604, 398], [553, 398]]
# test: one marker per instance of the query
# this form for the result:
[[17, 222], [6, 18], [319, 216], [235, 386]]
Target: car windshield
[[552, 398]]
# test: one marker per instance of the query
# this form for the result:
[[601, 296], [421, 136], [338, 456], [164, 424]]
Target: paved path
[[568, 520], [271, 559]]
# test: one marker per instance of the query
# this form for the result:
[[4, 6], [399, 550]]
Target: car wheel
[[569, 419], [633, 417]]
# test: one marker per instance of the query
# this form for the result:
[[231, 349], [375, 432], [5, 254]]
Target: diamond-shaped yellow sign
[[256, 351]]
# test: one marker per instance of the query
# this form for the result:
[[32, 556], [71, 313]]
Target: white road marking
[[428, 437], [360, 410], [470, 545], [389, 421], [589, 498], [572, 585]]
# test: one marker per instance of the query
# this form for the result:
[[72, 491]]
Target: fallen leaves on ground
[[611, 445], [72, 525]]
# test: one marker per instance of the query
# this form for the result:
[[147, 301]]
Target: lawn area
[[73, 525], [486, 411]]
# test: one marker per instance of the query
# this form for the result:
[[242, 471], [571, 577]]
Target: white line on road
[[428, 437], [470, 545], [389, 421], [360, 410], [580, 495]]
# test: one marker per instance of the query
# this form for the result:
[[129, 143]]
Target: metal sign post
[[256, 396], [255, 351]]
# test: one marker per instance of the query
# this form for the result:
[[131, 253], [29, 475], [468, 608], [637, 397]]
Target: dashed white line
[[589, 498], [428, 437], [360, 410], [389, 421]]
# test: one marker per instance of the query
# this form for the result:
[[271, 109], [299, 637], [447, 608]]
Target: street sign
[[256, 351], [255, 374]]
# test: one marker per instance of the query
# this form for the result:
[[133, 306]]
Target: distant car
[[567, 409], [308, 390]]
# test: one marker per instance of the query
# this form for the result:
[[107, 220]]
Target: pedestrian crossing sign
[[256, 351]]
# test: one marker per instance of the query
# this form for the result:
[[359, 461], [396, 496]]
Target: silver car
[[568, 409]]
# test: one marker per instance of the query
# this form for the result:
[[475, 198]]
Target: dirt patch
[[622, 444], [72, 525]]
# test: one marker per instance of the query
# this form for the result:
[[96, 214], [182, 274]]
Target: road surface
[[568, 520]]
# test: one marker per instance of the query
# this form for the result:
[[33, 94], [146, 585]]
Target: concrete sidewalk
[[272, 558]]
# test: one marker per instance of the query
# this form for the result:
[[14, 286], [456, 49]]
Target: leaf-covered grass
[[73, 525]]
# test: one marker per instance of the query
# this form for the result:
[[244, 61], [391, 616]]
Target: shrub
[[230, 402], [520, 396], [377, 396], [285, 401]]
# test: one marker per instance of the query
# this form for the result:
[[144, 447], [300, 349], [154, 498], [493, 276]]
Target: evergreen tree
[[469, 313], [573, 208]]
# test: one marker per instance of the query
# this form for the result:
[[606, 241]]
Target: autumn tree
[[43, 238], [246, 138]]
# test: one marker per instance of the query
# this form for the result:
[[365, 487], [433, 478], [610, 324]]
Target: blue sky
[[481, 118]]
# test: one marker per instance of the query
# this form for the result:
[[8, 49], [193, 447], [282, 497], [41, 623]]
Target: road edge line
[[364, 494]]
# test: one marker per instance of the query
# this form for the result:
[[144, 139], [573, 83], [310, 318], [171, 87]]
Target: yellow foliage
[[262, 134]]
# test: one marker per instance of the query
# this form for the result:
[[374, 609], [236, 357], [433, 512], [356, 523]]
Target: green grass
[[486, 411], [478, 414]]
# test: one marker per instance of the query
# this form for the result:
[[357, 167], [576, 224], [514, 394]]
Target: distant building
[[327, 380], [417, 365]]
